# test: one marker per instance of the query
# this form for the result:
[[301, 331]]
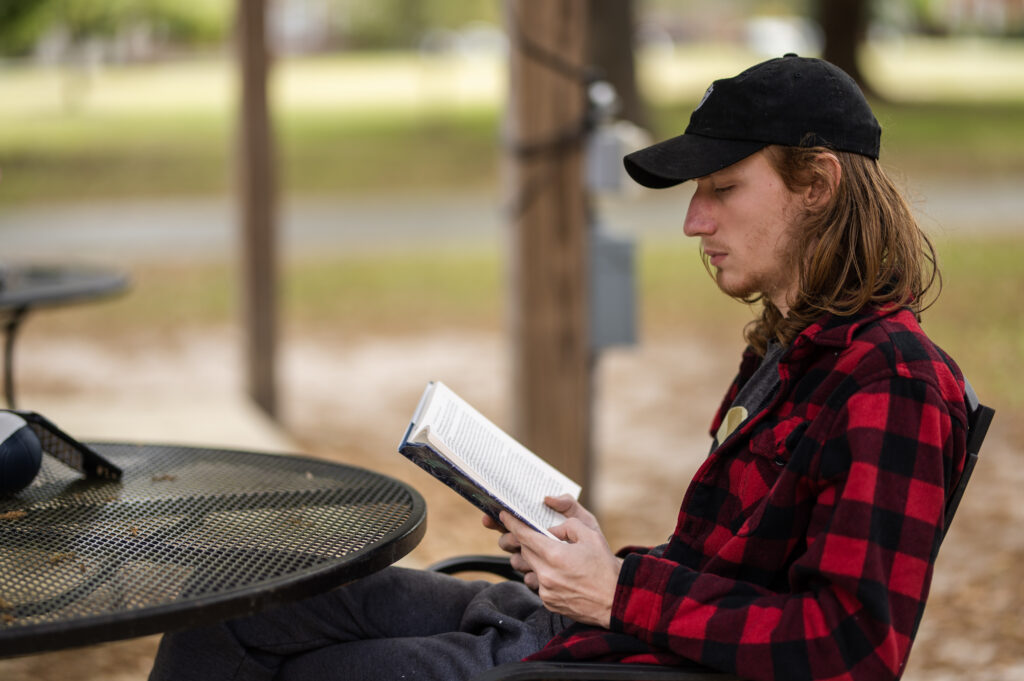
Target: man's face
[[745, 218]]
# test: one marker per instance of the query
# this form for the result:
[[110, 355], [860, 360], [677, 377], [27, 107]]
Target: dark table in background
[[27, 287], [188, 536]]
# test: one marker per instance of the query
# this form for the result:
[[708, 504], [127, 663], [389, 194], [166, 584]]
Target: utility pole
[[256, 189], [546, 133]]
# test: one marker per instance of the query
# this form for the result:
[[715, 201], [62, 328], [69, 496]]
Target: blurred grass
[[124, 155], [115, 156], [322, 153], [399, 292], [979, 317], [358, 123], [953, 138], [364, 294]]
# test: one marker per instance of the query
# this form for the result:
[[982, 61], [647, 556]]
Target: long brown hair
[[863, 248]]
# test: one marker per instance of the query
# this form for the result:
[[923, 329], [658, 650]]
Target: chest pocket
[[758, 487]]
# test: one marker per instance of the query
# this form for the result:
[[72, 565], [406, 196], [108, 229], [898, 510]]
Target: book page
[[505, 466]]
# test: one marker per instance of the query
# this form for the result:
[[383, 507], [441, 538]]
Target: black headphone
[[21, 455], [25, 436]]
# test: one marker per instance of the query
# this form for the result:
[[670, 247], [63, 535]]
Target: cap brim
[[685, 157]]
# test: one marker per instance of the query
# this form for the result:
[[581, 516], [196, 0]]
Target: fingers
[[509, 542], [520, 564], [518, 528], [491, 524]]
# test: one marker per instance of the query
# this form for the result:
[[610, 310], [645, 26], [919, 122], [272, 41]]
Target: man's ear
[[827, 174]]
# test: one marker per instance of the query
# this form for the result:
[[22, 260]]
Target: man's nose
[[699, 220]]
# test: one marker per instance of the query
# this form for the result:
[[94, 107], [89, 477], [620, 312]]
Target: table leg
[[10, 333]]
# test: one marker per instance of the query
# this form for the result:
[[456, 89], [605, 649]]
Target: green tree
[[187, 22], [21, 24]]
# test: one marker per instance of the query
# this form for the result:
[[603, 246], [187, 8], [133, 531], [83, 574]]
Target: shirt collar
[[836, 331]]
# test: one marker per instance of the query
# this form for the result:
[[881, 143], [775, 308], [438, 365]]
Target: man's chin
[[732, 289]]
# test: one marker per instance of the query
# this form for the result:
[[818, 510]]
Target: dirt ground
[[349, 400]]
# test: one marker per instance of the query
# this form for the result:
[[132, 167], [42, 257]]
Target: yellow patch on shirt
[[733, 418]]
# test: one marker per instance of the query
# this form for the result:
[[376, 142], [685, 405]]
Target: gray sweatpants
[[395, 624]]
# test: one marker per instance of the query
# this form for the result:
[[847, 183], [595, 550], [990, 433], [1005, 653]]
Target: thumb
[[567, 532], [562, 503]]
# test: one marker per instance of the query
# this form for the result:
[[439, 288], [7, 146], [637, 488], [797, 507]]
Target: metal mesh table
[[187, 536]]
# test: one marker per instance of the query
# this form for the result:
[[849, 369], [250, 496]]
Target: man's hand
[[508, 542], [575, 577]]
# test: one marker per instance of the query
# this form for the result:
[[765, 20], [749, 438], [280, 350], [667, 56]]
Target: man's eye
[[723, 190]]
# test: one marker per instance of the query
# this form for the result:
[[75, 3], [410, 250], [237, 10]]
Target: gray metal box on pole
[[612, 290]]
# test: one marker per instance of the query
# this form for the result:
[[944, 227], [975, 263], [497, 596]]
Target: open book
[[460, 447]]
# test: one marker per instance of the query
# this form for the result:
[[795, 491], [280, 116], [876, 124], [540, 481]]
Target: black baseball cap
[[793, 101]]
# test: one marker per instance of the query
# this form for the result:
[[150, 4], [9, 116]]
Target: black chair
[[979, 417]]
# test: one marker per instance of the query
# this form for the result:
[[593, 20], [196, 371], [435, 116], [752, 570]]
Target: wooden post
[[551, 361], [257, 205]]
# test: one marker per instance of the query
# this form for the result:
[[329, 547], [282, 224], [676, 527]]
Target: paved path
[[205, 228]]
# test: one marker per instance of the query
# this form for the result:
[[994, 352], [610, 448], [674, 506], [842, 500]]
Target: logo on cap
[[707, 93]]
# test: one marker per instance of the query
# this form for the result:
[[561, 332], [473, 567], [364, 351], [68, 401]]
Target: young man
[[805, 543]]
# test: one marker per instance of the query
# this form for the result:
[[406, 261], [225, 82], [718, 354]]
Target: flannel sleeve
[[856, 591]]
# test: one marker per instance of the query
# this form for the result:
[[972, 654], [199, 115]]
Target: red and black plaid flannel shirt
[[805, 543]]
